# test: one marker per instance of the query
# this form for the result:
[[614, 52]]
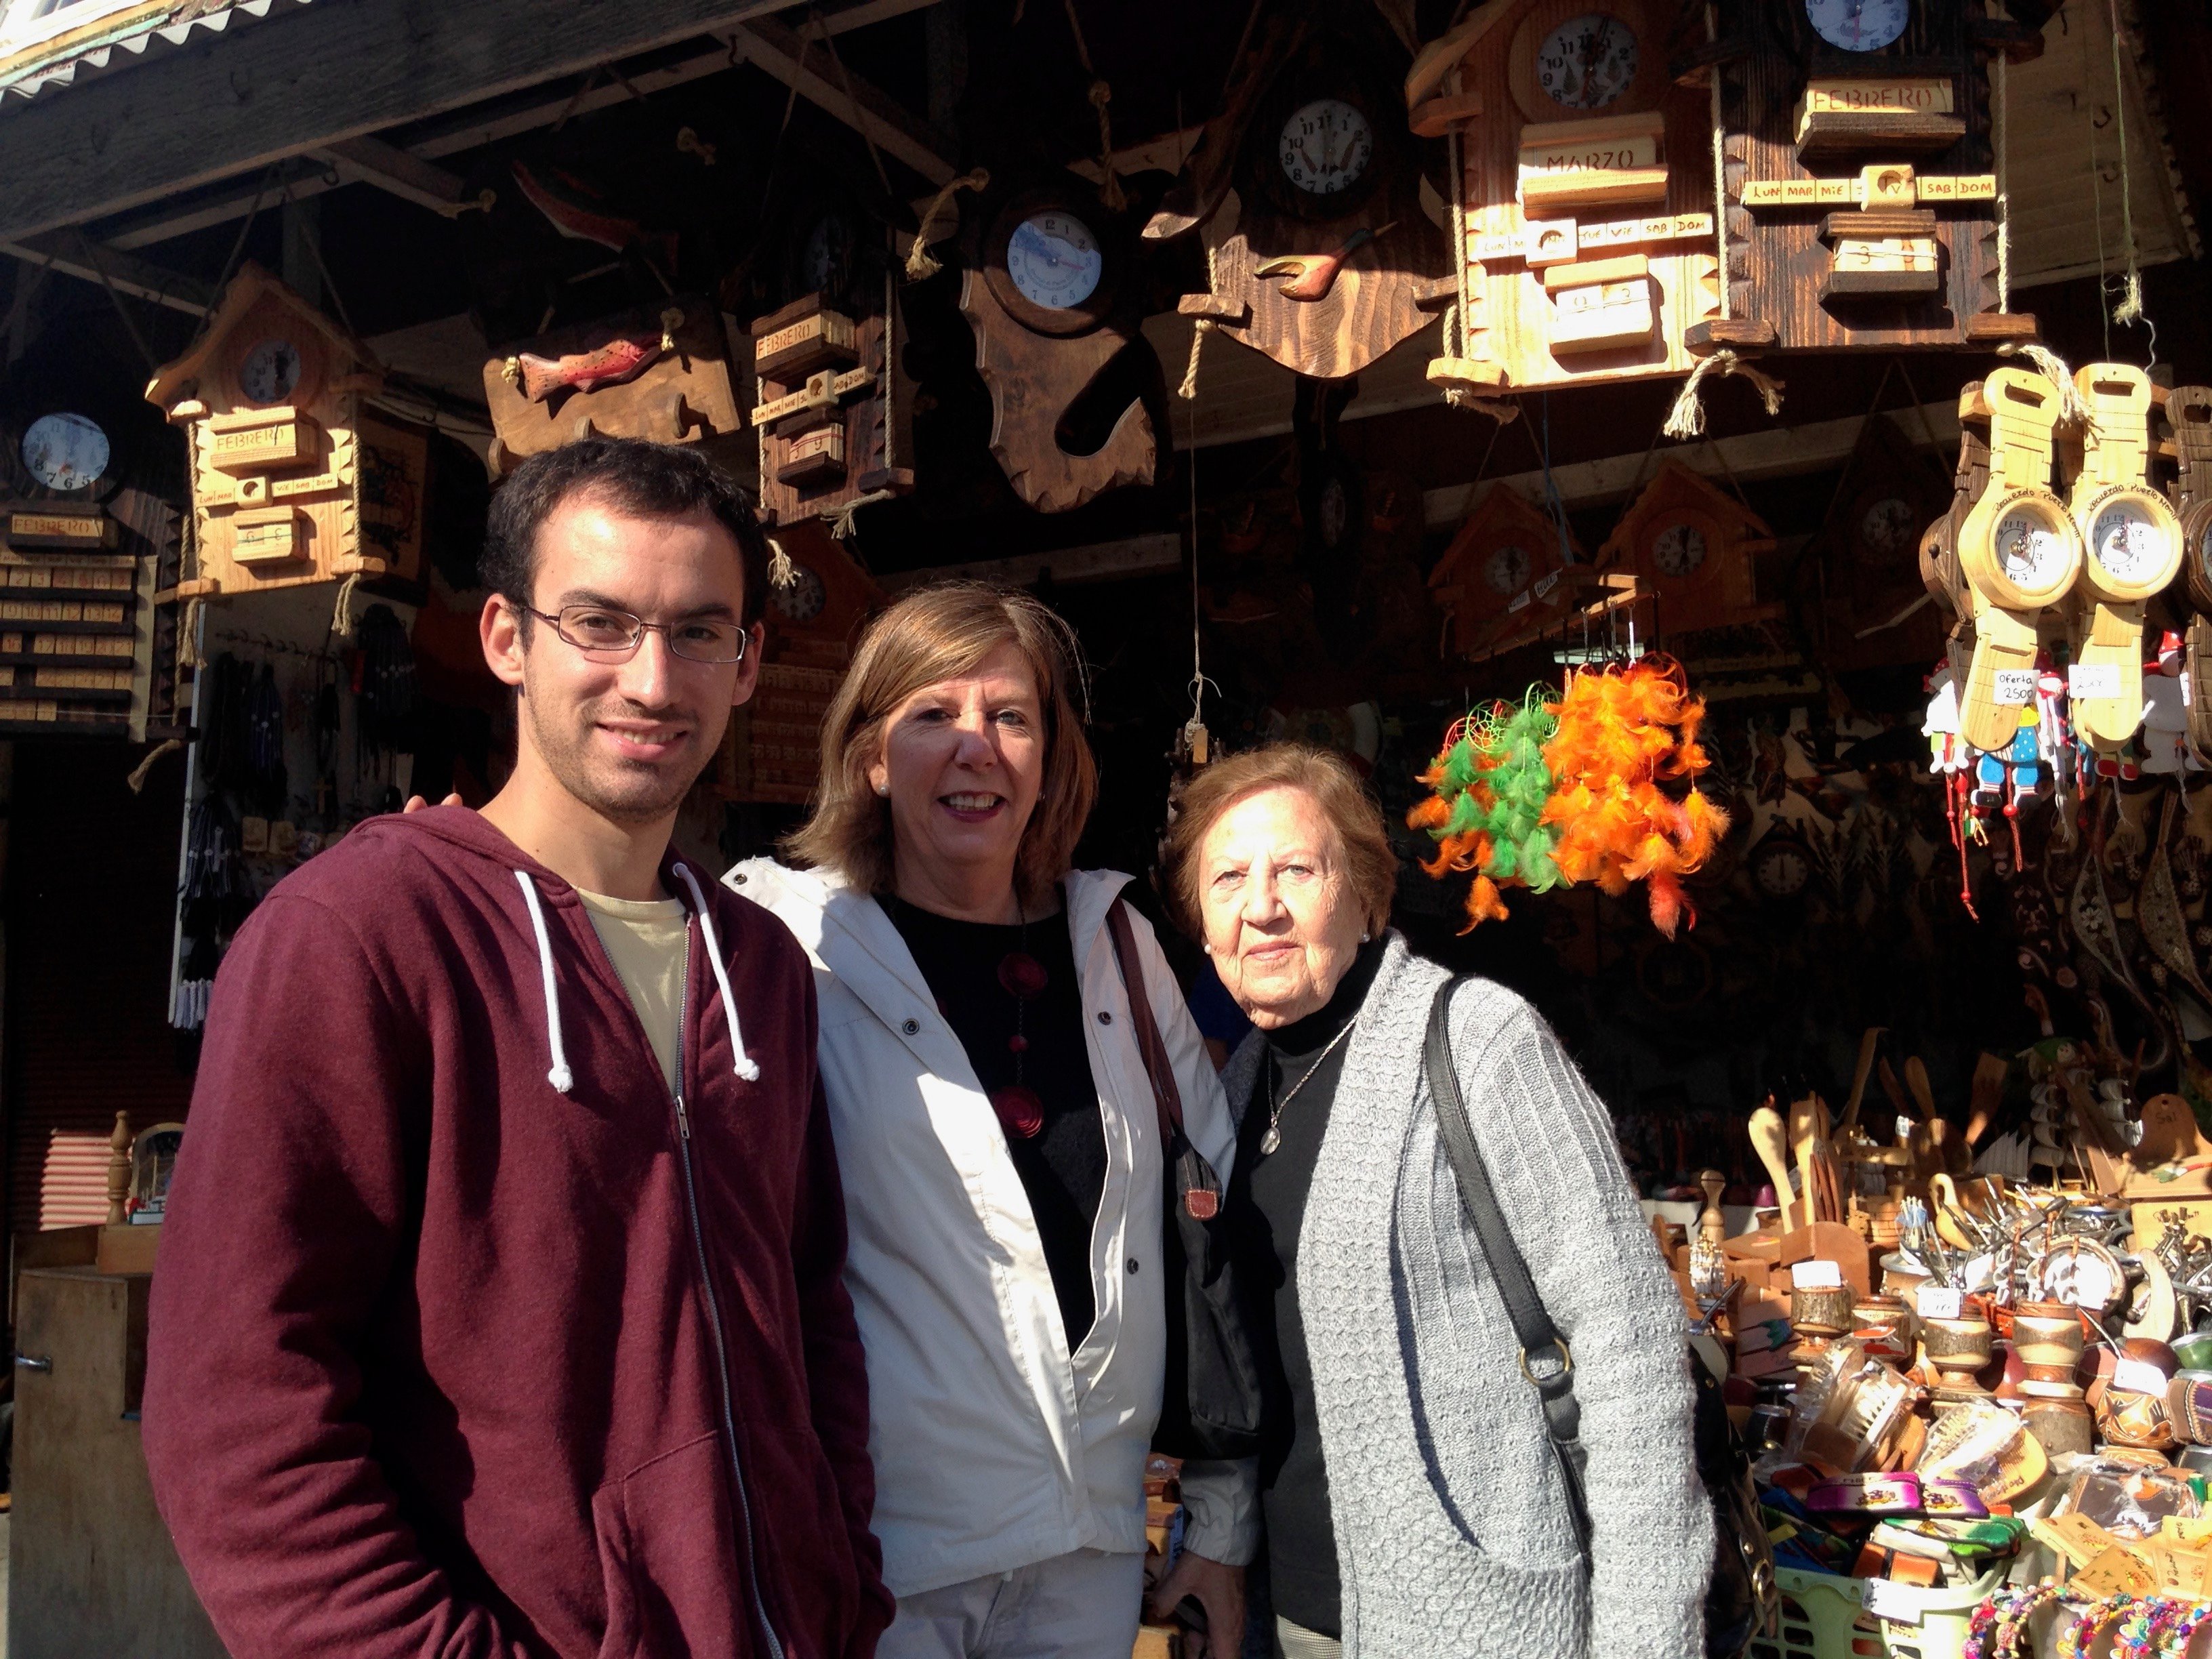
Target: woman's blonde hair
[[1370, 865], [935, 633]]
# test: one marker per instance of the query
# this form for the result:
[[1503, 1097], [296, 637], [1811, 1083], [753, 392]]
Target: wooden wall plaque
[[1861, 196], [657, 371], [1585, 187]]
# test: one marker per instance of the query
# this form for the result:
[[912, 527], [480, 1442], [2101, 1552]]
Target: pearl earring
[[883, 789]]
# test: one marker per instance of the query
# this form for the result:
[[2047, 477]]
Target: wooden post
[[119, 1169]]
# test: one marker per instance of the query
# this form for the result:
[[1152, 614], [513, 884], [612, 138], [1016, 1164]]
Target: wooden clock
[[1690, 545], [1585, 188], [2019, 552], [2189, 428], [2131, 550], [1306, 193], [1043, 300], [1503, 566], [293, 481], [1890, 495], [831, 424], [660, 372], [1860, 202]]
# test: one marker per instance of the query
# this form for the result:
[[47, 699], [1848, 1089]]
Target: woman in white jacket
[[997, 1135]]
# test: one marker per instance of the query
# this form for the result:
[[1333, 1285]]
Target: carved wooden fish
[[574, 210], [619, 360], [1313, 274]]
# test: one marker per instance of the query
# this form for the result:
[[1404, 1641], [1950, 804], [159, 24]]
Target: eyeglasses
[[607, 635]]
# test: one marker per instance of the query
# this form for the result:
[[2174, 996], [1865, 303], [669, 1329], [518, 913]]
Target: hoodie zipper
[[714, 1311]]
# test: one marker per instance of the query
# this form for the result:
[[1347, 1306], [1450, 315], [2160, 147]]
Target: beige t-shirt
[[644, 939]]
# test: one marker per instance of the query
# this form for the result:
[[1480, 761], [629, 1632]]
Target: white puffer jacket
[[993, 1446]]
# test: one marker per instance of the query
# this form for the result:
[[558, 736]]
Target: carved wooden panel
[[825, 415]]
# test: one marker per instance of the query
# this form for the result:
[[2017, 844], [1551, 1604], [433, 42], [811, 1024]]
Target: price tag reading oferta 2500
[[2013, 688]]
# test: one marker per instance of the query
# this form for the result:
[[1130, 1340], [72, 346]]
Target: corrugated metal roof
[[69, 60]]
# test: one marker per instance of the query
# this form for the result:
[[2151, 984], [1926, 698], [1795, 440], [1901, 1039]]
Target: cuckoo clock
[[831, 424], [1048, 296], [1889, 497], [1690, 546], [1307, 194], [660, 372], [773, 749], [1861, 196], [2189, 429], [1585, 187], [294, 479], [1502, 569]]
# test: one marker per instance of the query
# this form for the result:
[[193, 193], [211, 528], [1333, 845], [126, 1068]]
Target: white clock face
[[1506, 570], [1588, 61], [1888, 524], [270, 372], [1325, 147], [65, 452], [1781, 870], [1859, 25], [1678, 549], [801, 600], [2126, 542], [2029, 551], [1054, 260]]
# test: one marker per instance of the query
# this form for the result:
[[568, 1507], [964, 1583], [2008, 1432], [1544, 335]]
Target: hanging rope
[[314, 243], [921, 265], [2053, 368], [1204, 325], [861, 118], [2131, 306], [137, 778], [781, 573], [2002, 119], [341, 612], [1100, 95], [1687, 417], [1720, 201], [188, 636]]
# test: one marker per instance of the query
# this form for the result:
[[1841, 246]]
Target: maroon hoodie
[[446, 1359]]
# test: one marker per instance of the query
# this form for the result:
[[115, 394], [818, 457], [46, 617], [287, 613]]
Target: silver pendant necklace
[[1274, 1137]]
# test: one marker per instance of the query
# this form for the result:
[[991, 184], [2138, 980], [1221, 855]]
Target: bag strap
[[1532, 1324], [1194, 1177]]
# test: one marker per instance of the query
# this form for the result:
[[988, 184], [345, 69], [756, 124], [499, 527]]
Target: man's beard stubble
[[653, 793]]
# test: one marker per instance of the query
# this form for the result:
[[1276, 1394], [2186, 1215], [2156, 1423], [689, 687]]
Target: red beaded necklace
[[1022, 977]]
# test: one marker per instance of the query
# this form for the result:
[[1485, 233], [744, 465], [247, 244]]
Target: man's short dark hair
[[647, 480]]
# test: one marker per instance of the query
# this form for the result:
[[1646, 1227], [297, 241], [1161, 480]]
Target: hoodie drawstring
[[559, 1077], [745, 1066]]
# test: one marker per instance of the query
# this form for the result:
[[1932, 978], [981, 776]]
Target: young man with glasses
[[500, 1308]]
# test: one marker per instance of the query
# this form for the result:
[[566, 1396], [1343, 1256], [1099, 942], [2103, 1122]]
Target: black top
[[1063, 1168], [1267, 1201]]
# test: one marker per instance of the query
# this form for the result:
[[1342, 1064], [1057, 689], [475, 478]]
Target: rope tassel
[[921, 264], [1687, 417]]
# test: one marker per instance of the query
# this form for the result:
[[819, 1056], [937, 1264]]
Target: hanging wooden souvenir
[[831, 428], [1307, 193], [1690, 545], [1504, 564], [660, 372], [2019, 549], [1043, 299], [1856, 143], [292, 481], [2131, 548], [1889, 497], [773, 749], [1939, 543], [2189, 428], [1585, 192]]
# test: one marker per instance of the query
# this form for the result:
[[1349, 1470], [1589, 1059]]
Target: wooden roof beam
[[73, 256], [810, 71], [302, 83], [398, 173]]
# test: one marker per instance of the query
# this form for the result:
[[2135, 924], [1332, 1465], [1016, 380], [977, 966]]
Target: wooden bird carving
[[1313, 274]]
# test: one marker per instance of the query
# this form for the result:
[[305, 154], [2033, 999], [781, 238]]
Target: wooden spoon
[[1771, 1142]]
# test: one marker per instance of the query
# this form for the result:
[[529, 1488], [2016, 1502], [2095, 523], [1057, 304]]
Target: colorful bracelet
[[2183, 1630], [2083, 1635], [2142, 1627], [2010, 1620]]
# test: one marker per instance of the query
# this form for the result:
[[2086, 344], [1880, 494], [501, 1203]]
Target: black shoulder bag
[[1216, 1401], [1742, 1598]]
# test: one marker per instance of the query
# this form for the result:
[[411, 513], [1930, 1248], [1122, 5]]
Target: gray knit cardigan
[[1453, 1534]]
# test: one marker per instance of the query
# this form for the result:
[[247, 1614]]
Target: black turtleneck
[[1268, 1194]]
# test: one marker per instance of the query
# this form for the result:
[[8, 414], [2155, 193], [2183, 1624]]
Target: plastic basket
[[1827, 1617], [1929, 1624], [1823, 1617]]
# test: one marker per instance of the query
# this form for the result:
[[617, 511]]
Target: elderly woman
[[997, 1137], [1412, 1502]]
